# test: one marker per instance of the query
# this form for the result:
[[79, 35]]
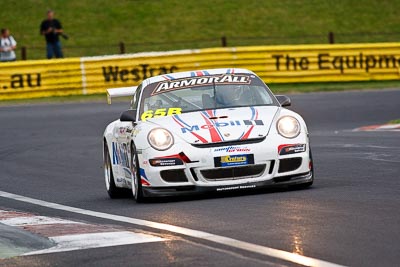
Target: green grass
[[394, 121], [96, 27]]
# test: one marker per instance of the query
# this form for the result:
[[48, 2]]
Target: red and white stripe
[[72, 235], [384, 127]]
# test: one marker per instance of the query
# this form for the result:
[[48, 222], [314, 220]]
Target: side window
[[135, 98]]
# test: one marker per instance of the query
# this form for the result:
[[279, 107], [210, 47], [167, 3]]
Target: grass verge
[[96, 27], [394, 121]]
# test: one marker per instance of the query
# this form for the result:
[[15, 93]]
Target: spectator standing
[[51, 29], [7, 46]]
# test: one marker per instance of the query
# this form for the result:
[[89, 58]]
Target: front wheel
[[112, 190], [137, 191]]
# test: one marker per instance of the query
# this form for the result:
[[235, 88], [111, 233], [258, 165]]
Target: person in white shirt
[[7, 46]]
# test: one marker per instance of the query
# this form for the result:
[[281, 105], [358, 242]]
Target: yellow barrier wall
[[40, 78], [274, 64]]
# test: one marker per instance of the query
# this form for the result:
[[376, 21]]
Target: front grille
[[232, 173], [174, 176], [291, 164]]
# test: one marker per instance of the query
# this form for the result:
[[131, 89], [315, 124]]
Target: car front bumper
[[282, 181]]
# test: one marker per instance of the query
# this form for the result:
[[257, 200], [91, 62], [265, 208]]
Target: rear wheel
[[136, 179], [112, 190]]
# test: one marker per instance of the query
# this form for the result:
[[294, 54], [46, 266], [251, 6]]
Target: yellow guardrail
[[274, 64]]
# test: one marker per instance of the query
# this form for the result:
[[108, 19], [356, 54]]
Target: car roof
[[195, 73]]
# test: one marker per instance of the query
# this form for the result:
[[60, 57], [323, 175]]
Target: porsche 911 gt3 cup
[[201, 131]]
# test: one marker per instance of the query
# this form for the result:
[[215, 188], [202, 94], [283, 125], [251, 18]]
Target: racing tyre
[[136, 180], [112, 190]]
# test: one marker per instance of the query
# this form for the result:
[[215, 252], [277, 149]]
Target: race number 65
[[161, 112]]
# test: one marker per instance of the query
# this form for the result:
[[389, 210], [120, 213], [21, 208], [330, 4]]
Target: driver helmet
[[229, 95]]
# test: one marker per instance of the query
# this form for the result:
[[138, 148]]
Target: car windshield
[[202, 93]]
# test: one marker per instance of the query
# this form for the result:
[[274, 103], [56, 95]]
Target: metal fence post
[[23, 52], [223, 41], [331, 38], [121, 48]]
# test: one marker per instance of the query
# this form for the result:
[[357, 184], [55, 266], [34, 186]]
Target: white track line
[[96, 240], [271, 252], [35, 220]]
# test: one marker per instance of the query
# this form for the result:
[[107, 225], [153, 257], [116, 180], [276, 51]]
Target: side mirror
[[284, 100], [129, 115]]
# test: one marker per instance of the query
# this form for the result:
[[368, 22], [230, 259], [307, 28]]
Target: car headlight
[[160, 139], [288, 127]]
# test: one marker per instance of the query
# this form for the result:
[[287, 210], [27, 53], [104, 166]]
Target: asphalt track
[[349, 217]]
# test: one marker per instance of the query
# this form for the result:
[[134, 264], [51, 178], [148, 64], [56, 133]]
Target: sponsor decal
[[237, 187], [233, 160], [112, 74], [125, 130], [161, 112], [143, 178], [341, 63], [232, 149], [160, 162], [165, 86], [253, 117], [291, 149], [197, 127], [213, 126], [128, 173], [136, 130], [120, 154], [22, 81]]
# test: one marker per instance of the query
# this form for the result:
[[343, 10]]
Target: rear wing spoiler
[[120, 92]]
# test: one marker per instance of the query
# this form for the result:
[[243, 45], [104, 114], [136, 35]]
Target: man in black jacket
[[51, 28]]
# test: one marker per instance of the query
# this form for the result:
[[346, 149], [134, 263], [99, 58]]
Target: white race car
[[201, 131]]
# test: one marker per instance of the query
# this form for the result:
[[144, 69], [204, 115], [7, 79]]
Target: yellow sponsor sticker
[[161, 112], [233, 159]]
